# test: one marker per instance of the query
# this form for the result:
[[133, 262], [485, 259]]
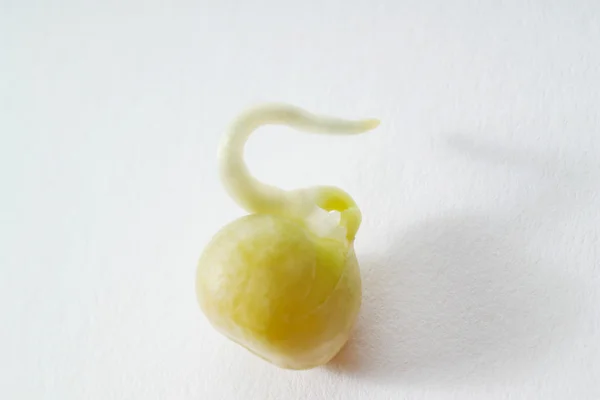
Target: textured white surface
[[480, 248]]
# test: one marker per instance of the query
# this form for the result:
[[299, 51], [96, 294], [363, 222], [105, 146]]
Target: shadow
[[462, 296], [456, 297]]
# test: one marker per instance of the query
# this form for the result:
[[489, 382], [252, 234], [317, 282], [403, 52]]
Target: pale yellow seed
[[283, 281]]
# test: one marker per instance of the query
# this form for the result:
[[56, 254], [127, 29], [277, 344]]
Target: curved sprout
[[257, 197]]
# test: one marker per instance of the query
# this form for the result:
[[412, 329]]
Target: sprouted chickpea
[[283, 282]]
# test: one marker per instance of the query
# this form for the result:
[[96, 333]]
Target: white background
[[480, 248]]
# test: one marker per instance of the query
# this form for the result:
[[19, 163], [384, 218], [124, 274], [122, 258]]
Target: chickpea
[[283, 281]]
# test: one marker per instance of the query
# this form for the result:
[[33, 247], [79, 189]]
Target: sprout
[[283, 282]]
